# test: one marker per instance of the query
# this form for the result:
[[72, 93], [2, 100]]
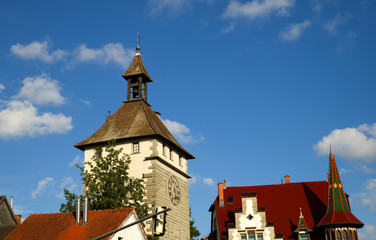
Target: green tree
[[194, 231], [107, 183]]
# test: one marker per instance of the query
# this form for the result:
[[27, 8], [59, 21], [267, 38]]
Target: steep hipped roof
[[60, 226], [133, 119], [338, 210], [8, 221], [137, 68], [281, 203]]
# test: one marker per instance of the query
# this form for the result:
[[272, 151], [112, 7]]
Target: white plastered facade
[[251, 220]]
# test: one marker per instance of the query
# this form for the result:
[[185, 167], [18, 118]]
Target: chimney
[[78, 211], [224, 184], [287, 178], [221, 195], [158, 114], [85, 210], [18, 219], [11, 202]]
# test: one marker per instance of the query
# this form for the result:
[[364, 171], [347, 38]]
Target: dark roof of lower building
[[5, 230], [281, 203], [134, 119]]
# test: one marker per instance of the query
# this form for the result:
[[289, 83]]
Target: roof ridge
[[147, 118], [275, 184]]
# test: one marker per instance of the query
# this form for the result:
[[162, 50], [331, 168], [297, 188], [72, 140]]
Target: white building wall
[[134, 232]]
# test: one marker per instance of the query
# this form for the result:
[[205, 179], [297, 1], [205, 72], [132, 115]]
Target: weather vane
[[138, 43]]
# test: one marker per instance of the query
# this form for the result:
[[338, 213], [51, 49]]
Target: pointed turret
[[303, 230], [338, 209], [302, 222], [137, 77]]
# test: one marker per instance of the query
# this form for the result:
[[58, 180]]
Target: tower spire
[[338, 210], [137, 76]]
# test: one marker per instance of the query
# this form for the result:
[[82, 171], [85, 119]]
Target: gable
[[280, 202]]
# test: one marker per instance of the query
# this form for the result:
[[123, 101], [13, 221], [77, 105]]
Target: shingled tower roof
[[338, 210], [135, 118], [137, 68]]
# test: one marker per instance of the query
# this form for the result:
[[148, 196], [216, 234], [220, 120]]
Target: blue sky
[[254, 89]]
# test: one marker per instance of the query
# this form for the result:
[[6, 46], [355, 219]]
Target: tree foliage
[[194, 231], [107, 183]]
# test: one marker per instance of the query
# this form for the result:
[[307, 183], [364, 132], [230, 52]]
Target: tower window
[[136, 147], [98, 153], [243, 236], [230, 200], [164, 150], [260, 236]]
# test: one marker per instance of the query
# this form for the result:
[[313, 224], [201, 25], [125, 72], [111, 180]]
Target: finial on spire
[[331, 153], [138, 43]]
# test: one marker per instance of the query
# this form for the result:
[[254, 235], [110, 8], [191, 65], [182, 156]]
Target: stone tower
[[156, 155]]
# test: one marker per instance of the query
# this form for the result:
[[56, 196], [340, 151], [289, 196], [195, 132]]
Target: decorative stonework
[[256, 224]]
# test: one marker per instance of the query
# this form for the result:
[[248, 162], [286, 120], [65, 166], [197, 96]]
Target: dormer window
[[303, 236]]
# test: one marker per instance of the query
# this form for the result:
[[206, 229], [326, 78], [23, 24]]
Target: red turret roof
[[338, 210]]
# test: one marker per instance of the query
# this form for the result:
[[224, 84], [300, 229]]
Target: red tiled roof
[[59, 226], [281, 203], [133, 119]]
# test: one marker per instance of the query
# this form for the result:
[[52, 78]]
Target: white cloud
[[229, 28], [37, 50], [357, 144], [198, 179], [208, 181], [368, 198], [2, 87], [317, 6], [41, 90], [86, 102], [192, 180], [182, 132], [42, 186], [371, 185], [78, 159], [21, 210], [343, 171], [21, 118], [110, 53], [367, 233], [158, 7], [332, 25], [68, 183], [258, 9], [293, 31], [363, 168]]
